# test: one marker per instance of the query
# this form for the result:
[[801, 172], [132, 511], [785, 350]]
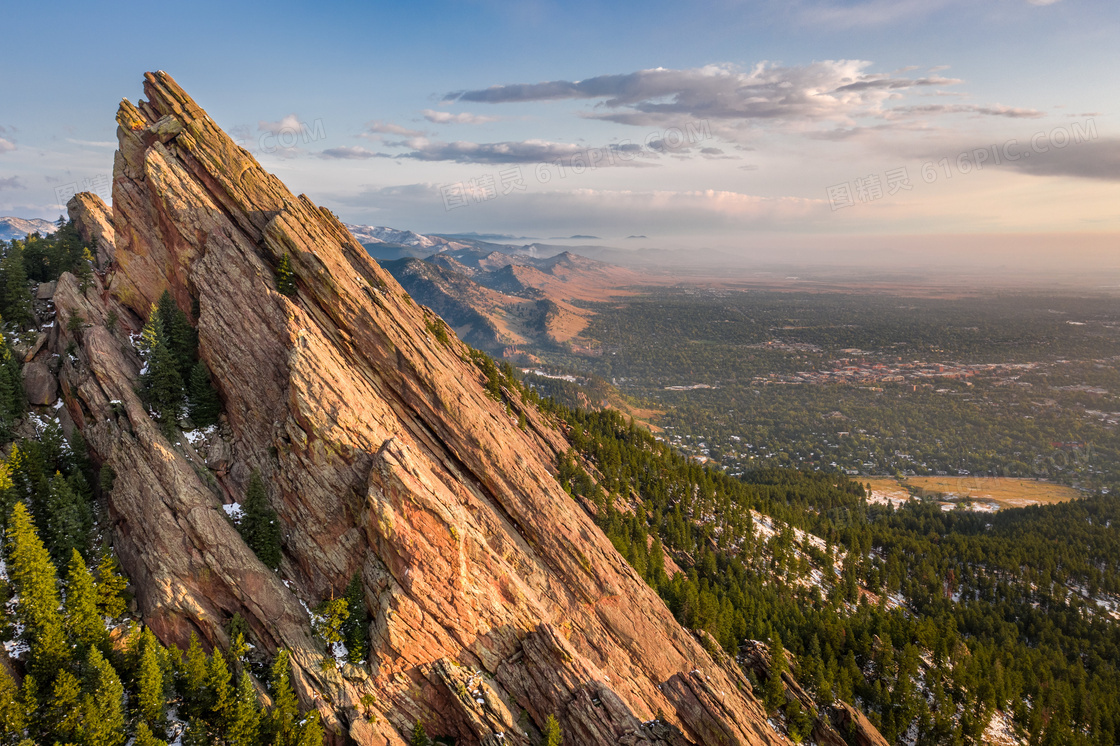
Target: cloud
[[6, 146], [11, 182], [446, 117], [289, 123], [349, 152], [93, 143], [998, 110], [282, 138], [1043, 2], [1087, 159], [868, 13], [598, 211], [828, 91], [526, 151], [388, 128]]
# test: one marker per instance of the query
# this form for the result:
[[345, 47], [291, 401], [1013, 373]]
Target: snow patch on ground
[[1001, 731]]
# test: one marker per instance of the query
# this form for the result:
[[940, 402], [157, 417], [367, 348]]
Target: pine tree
[[161, 382], [311, 732], [181, 337], [8, 494], [245, 723], [68, 520], [333, 614], [13, 718], [220, 692], [192, 686], [111, 586], [34, 578], [774, 693], [552, 734], [799, 722], [279, 725], [103, 705], [419, 735], [13, 401], [285, 283], [260, 526], [151, 702], [205, 406], [15, 304], [197, 733], [145, 737], [63, 717], [29, 700], [83, 622], [355, 629], [17, 473]]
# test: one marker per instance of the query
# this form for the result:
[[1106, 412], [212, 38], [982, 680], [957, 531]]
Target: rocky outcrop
[[94, 222], [39, 384], [832, 720], [855, 724], [491, 593]]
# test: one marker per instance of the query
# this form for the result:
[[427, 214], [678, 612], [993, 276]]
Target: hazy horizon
[[861, 133]]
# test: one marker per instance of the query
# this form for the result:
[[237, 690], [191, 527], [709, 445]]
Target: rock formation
[[494, 599], [96, 226]]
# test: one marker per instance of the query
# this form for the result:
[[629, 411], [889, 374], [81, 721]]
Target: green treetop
[[151, 700], [552, 734], [161, 382], [83, 622], [34, 578], [103, 704], [13, 718], [285, 282], [245, 721], [260, 526], [221, 693], [774, 693], [110, 586], [62, 719], [145, 737], [181, 337], [205, 406]]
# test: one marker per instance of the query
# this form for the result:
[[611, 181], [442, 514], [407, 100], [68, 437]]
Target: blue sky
[[729, 124]]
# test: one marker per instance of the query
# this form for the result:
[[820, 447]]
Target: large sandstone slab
[[384, 456]]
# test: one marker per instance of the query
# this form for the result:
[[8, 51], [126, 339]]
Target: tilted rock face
[[95, 224], [384, 456]]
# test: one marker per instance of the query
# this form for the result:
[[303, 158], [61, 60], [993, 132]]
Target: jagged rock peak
[[384, 456]]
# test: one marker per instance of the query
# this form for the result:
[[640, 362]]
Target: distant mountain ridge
[[13, 227], [501, 301]]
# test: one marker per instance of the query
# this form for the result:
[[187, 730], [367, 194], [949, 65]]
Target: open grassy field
[[1005, 492]]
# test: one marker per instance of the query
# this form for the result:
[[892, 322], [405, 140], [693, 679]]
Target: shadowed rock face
[[383, 455]]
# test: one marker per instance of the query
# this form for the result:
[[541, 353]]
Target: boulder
[[33, 350], [39, 383], [45, 290]]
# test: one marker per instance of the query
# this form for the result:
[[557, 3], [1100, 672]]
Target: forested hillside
[[932, 621]]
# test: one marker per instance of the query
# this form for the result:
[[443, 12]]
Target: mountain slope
[[384, 456], [12, 227]]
